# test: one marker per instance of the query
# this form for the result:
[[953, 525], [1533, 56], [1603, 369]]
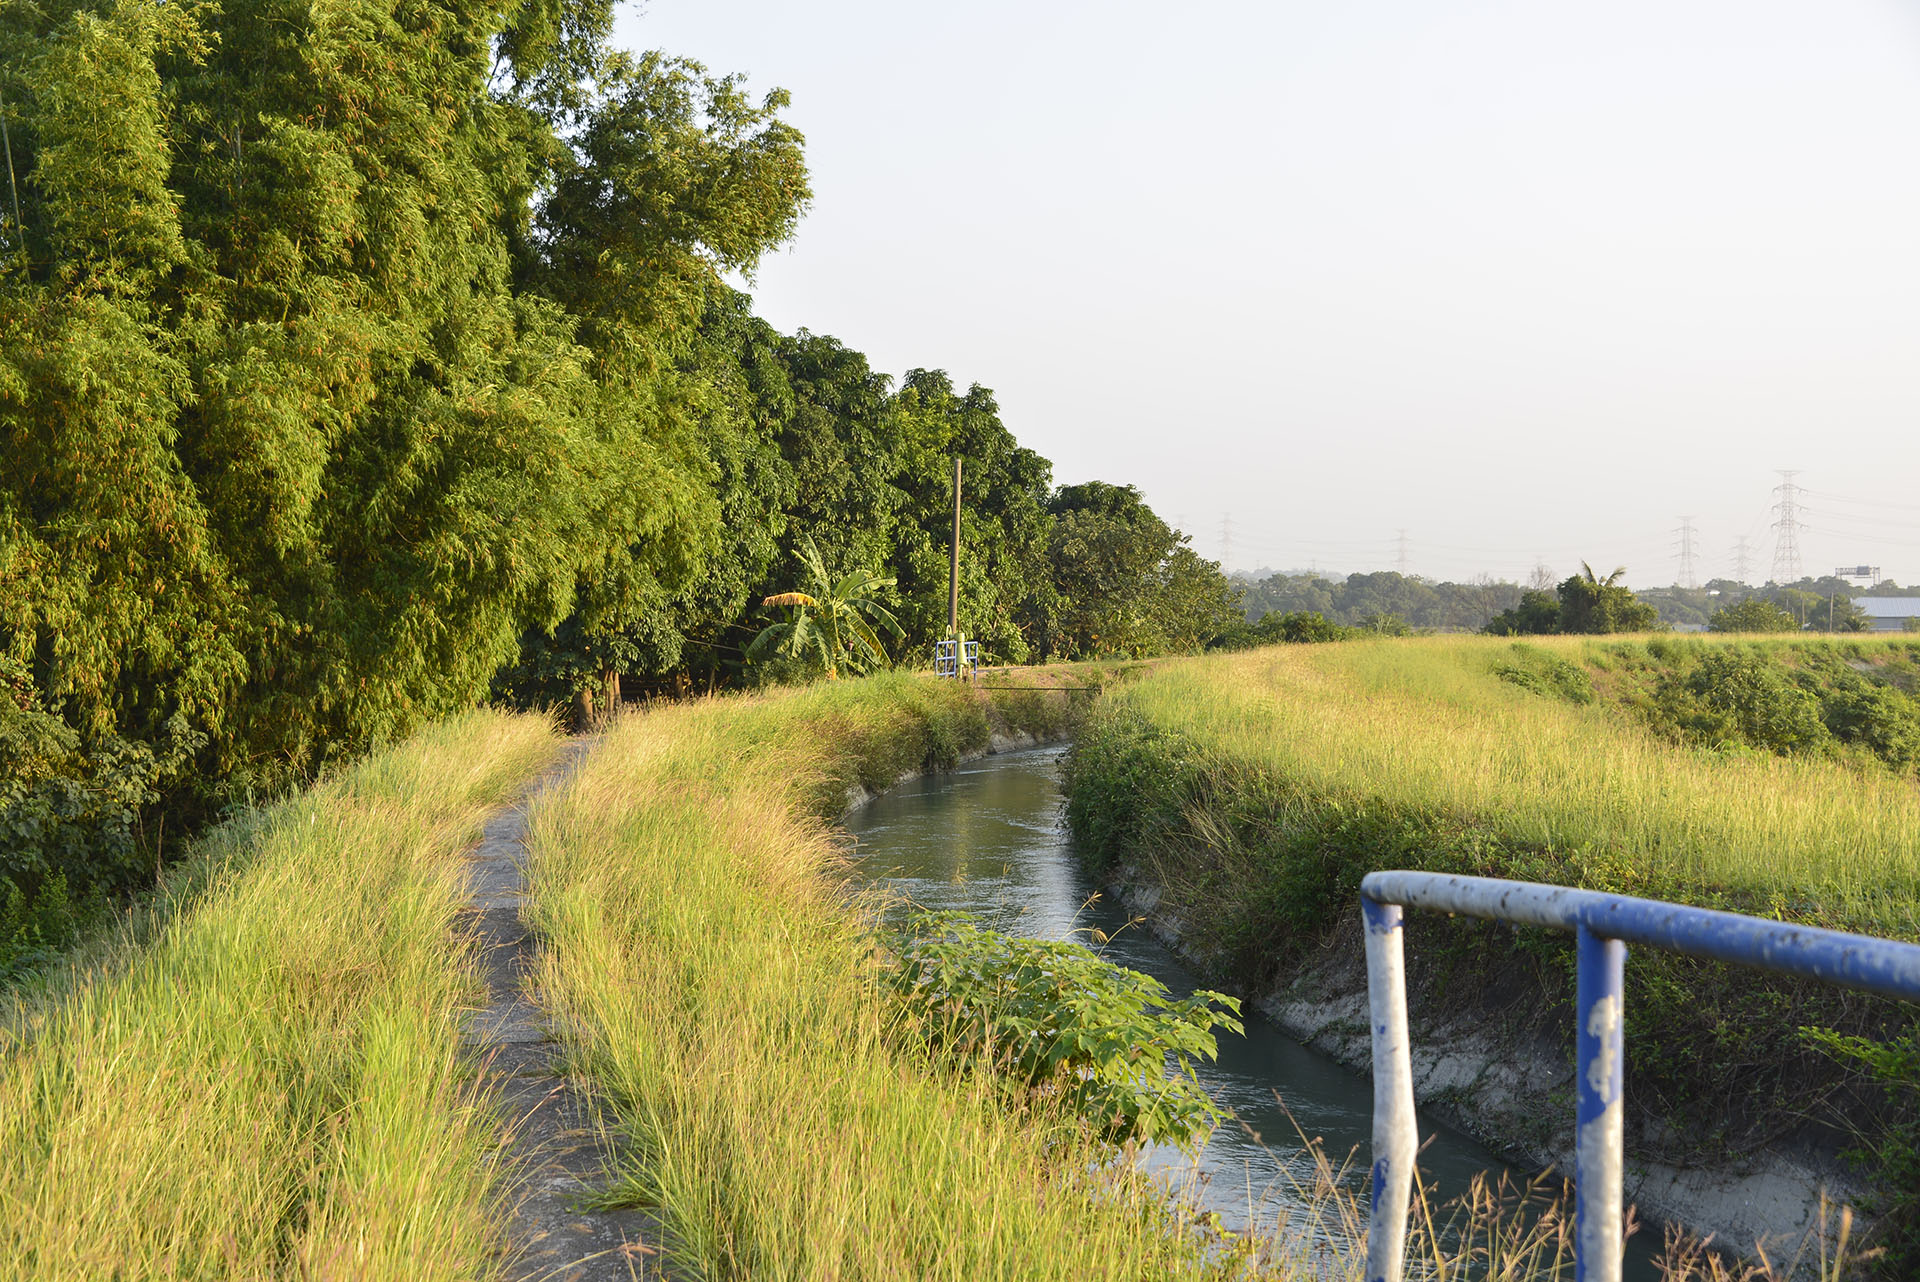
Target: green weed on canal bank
[[782, 1111], [267, 1080], [714, 981], [1257, 789]]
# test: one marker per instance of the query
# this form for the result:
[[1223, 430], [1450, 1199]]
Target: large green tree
[[291, 461], [1003, 516], [672, 178], [1583, 603], [1589, 603], [1752, 615], [342, 346], [1122, 581], [357, 355], [1448, 607]]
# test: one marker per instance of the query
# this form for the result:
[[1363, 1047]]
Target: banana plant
[[836, 621]]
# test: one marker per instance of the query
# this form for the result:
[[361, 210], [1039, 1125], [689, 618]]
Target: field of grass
[[1258, 788], [260, 1075], [264, 1079], [712, 978], [1585, 792], [711, 974]]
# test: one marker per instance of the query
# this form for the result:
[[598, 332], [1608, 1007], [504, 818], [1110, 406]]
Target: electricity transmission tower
[[1786, 548], [1402, 560], [1226, 544], [1742, 559], [1686, 552]]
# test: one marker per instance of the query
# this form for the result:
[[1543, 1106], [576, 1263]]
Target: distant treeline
[[1392, 602], [1822, 604], [361, 362], [1369, 600]]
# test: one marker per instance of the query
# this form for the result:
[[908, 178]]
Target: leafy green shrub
[[1739, 696], [32, 931], [1545, 673], [1894, 1156], [1767, 696], [1303, 627], [1053, 1015], [1876, 717], [1294, 627], [69, 816], [1755, 614]]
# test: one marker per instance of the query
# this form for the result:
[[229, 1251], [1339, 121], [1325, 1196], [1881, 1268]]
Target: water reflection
[[989, 839]]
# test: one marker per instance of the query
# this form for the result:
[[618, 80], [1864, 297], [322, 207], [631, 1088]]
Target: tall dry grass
[[270, 1083], [710, 972], [716, 985], [1424, 723]]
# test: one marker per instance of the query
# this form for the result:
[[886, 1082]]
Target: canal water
[[990, 839]]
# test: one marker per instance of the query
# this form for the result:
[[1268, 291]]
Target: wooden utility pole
[[953, 575]]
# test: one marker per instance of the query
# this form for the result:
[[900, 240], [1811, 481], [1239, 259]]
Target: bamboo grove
[[361, 360]]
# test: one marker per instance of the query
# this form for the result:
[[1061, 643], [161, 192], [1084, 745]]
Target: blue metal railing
[[947, 663], [1604, 926]]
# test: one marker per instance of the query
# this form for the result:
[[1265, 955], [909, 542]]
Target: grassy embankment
[[263, 1077], [1258, 788], [714, 980], [1426, 729]]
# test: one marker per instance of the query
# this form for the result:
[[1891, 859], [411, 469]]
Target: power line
[[1855, 537], [1869, 522], [1859, 502], [1686, 552], [1786, 548]]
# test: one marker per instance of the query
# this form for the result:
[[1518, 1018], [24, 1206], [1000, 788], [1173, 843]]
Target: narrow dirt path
[[554, 1151]]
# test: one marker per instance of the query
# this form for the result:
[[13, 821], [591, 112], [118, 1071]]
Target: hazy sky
[[1526, 280]]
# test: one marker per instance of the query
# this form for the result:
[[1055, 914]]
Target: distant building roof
[[1889, 607]]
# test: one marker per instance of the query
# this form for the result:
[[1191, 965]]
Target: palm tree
[[1589, 603], [1599, 582], [834, 622]]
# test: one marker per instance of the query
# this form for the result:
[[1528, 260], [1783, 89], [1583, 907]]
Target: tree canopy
[[1123, 581], [1755, 614], [358, 360], [1584, 603]]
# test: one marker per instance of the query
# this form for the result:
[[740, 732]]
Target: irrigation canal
[[990, 839]]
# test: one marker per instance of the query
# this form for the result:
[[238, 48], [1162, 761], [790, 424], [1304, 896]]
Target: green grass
[[264, 1079], [712, 976], [260, 1074], [1424, 725], [1257, 789], [718, 986]]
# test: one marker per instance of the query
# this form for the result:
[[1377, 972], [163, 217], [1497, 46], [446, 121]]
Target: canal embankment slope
[[703, 964], [260, 1072], [1238, 800]]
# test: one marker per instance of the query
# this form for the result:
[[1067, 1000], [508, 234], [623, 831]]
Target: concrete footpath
[[556, 1152]]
